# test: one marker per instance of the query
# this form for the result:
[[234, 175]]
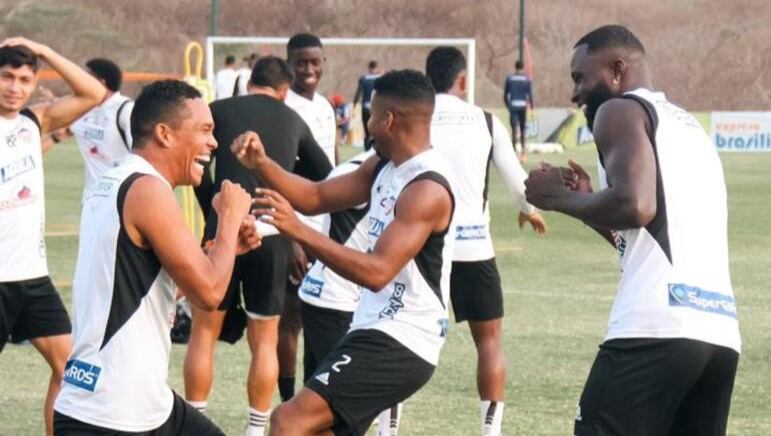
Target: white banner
[[741, 131]]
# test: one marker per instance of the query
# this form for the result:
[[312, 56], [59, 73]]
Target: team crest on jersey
[[395, 303], [82, 374], [681, 295], [444, 326], [387, 204]]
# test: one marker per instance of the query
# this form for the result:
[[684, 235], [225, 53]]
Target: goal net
[[346, 58]]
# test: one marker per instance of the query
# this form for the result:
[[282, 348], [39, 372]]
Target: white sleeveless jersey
[[675, 281], [323, 287], [123, 304], [22, 200], [319, 115], [460, 132], [412, 308], [99, 139]]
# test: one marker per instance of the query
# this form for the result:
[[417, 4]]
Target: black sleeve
[[312, 162], [204, 192]]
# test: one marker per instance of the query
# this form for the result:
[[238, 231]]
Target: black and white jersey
[[323, 287], [675, 281], [460, 132], [123, 303], [22, 199], [103, 135], [412, 308]]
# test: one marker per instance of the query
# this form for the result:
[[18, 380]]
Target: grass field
[[558, 293]]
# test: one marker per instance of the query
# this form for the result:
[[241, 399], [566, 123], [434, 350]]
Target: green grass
[[559, 289]]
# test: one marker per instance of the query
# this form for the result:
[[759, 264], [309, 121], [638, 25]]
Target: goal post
[[468, 43]]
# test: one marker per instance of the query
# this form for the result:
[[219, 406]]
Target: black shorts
[[475, 291], [322, 330], [517, 120], [658, 387], [367, 373], [31, 309], [184, 420], [261, 276]]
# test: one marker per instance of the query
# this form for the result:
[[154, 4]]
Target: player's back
[[459, 131], [281, 130]]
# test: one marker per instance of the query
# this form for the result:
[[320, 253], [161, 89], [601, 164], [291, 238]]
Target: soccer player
[[104, 133], [225, 79], [364, 90], [130, 258], [668, 361], [30, 306], [469, 139], [518, 96], [306, 57], [262, 274], [400, 324]]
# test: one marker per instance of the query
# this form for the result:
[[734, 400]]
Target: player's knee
[[284, 420]]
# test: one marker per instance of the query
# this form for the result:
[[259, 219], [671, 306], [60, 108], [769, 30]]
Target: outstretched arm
[[514, 176], [309, 198], [621, 131], [63, 111], [423, 208]]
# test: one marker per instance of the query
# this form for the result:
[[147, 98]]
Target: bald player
[[668, 361]]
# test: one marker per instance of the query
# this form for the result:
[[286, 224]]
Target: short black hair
[[17, 56], [159, 102], [519, 65], [443, 65], [106, 70], [302, 40], [611, 35], [372, 65], [230, 60], [271, 71], [406, 85]]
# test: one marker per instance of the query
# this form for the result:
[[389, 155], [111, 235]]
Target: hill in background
[[706, 54]]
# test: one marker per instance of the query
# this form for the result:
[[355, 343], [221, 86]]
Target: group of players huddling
[[396, 235]]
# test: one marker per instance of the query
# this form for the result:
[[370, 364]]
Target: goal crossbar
[[469, 43]]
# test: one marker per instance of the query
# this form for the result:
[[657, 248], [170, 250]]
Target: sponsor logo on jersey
[[312, 287], [387, 204], [97, 134], [681, 295], [376, 227], [470, 233], [17, 168], [620, 242], [82, 374], [394, 302], [444, 326]]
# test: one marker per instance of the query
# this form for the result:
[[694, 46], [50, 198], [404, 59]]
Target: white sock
[[492, 416], [388, 421], [257, 422], [198, 405]]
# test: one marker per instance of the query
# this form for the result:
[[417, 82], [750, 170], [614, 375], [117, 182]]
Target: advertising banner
[[741, 131]]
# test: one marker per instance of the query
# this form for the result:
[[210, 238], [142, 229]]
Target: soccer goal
[[214, 44]]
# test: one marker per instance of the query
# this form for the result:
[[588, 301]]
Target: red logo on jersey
[[24, 193]]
